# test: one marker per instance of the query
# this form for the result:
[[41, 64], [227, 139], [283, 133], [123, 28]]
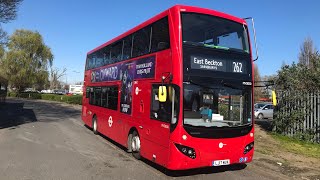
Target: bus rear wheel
[[135, 145], [95, 125]]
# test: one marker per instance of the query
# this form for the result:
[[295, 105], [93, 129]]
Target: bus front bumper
[[207, 158]]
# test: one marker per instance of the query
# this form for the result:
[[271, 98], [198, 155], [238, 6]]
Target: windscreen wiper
[[193, 43], [216, 47], [205, 45]]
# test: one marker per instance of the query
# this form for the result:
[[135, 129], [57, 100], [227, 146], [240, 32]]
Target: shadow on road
[[15, 114], [108, 139], [192, 172], [265, 124], [181, 173]]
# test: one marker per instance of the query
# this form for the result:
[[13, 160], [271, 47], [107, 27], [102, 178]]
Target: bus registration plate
[[221, 162]]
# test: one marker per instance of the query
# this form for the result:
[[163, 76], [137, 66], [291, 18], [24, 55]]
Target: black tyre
[[95, 125], [135, 145], [260, 116]]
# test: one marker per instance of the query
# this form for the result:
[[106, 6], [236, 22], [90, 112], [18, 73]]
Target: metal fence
[[299, 114]]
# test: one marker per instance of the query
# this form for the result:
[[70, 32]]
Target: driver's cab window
[[162, 110]]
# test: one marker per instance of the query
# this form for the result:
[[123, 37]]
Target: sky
[[71, 28]]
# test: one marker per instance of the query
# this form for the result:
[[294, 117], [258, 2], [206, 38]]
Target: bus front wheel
[[95, 125], [135, 145]]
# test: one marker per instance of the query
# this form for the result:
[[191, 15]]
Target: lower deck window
[[105, 96]]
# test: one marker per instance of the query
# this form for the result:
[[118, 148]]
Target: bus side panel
[[84, 115], [154, 138], [112, 125]]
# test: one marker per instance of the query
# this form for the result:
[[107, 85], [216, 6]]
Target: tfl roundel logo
[[221, 145]]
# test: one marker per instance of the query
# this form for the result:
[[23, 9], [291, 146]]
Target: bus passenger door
[[159, 124]]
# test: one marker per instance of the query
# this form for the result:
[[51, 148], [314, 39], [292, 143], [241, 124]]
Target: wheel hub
[[95, 125], [135, 144]]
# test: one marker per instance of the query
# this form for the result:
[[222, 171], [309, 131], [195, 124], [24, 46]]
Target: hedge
[[73, 99]]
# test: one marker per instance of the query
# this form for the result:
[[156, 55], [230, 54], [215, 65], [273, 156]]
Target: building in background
[[75, 89]]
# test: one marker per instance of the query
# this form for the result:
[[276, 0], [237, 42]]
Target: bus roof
[[179, 8]]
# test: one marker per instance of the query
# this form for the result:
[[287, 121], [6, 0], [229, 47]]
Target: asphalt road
[[47, 140]]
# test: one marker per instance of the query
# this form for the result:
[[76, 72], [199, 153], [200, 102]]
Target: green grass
[[297, 146], [263, 151]]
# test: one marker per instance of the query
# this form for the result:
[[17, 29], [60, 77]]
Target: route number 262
[[237, 67]]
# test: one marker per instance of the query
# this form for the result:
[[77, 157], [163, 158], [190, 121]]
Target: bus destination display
[[211, 64]]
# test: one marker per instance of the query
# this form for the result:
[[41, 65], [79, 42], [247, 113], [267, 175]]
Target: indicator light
[[188, 151]]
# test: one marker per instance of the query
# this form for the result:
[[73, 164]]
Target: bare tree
[[55, 75], [258, 91], [307, 53]]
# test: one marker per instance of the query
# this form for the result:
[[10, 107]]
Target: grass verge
[[297, 146]]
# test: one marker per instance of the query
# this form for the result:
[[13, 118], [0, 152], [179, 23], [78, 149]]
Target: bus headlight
[[188, 151], [248, 147]]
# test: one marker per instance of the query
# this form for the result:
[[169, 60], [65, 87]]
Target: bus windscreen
[[214, 32]]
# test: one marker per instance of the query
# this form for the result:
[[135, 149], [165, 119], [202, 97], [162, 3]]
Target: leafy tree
[[8, 12], [1, 51], [27, 60], [3, 37], [298, 77], [293, 85]]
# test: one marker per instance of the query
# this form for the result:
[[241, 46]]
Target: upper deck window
[[141, 42], [149, 39], [160, 35], [214, 32], [116, 52]]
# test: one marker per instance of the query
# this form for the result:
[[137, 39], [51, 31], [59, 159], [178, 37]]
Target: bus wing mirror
[[162, 93], [274, 98], [254, 35]]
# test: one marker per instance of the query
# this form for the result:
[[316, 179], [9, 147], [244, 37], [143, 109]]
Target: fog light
[[188, 151]]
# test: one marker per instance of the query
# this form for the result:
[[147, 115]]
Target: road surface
[[47, 140]]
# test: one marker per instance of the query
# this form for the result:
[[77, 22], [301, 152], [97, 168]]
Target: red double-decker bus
[[176, 89]]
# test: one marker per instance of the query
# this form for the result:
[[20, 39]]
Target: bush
[[12, 94], [49, 97], [30, 95], [75, 99], [59, 98]]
